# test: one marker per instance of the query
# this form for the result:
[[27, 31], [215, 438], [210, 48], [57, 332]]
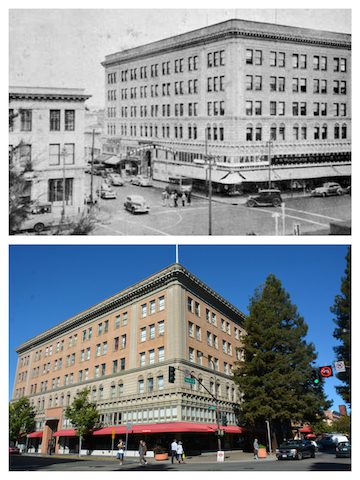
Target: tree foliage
[[274, 377], [21, 419], [82, 413], [19, 202], [342, 311]]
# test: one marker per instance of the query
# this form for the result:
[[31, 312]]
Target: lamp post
[[269, 144]]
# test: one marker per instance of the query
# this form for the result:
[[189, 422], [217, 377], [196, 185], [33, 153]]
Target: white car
[[116, 180], [42, 217], [136, 204], [327, 189], [141, 181]]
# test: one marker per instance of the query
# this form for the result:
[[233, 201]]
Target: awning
[[119, 430], [35, 435], [65, 433], [114, 160], [306, 429], [103, 157], [170, 427]]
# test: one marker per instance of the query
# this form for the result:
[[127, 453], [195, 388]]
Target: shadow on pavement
[[329, 467]]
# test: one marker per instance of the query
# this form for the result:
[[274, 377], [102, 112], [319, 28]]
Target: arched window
[[324, 132], [249, 132], [336, 131], [344, 130]]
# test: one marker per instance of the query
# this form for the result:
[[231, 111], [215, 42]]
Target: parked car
[[116, 179], [327, 189], [136, 204], [107, 192], [295, 449], [330, 442], [343, 450], [14, 451], [40, 218], [265, 198], [141, 181]]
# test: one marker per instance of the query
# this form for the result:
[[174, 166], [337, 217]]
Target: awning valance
[[65, 433], [35, 435], [118, 430]]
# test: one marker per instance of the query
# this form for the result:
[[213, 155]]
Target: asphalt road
[[322, 462], [229, 216]]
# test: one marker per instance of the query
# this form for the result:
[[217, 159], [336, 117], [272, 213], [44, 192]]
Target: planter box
[[262, 453], [161, 456]]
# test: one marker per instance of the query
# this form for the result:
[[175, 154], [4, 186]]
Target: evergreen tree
[[342, 310], [275, 376], [21, 419], [82, 414]]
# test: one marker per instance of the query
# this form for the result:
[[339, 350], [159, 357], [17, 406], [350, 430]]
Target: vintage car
[[265, 198], [136, 204]]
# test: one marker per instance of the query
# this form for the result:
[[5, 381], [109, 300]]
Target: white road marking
[[314, 214]]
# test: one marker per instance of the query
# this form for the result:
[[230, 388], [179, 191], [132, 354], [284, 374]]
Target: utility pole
[[269, 143], [63, 154], [208, 159], [92, 171]]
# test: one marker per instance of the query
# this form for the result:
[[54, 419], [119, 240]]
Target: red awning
[[65, 433], [35, 435], [306, 429], [233, 429], [119, 430]]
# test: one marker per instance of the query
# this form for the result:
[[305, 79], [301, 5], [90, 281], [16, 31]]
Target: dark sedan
[[295, 449], [343, 449], [265, 198]]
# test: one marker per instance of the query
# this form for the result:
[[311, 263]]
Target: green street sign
[[189, 380], [212, 407]]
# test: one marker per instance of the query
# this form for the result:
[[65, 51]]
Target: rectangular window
[[272, 108], [161, 328], [303, 108], [55, 190], [281, 59], [143, 310], [151, 357], [25, 120], [142, 359], [54, 154], [70, 120], [272, 59], [152, 331], [190, 304], [69, 152], [161, 354], [152, 306], [143, 334], [55, 120], [258, 57], [249, 56]]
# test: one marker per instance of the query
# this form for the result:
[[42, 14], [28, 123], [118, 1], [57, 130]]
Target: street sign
[[220, 456], [326, 371], [189, 380], [212, 407], [128, 426], [340, 366]]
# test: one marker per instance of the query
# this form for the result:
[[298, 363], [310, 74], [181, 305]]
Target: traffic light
[[315, 378], [171, 374], [224, 420]]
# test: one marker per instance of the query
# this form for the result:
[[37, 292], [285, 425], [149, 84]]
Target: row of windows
[[54, 120], [192, 87], [150, 308], [278, 132], [277, 84], [253, 107], [149, 332], [148, 358], [178, 65], [298, 60], [153, 131]]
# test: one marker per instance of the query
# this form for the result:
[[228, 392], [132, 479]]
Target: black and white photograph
[[180, 122]]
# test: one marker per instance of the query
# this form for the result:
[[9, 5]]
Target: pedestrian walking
[[174, 446], [172, 199], [120, 453], [180, 452], [176, 197], [183, 199], [164, 198], [142, 452], [256, 449], [189, 198]]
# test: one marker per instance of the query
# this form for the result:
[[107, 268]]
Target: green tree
[[275, 374], [21, 419], [342, 311], [83, 415], [342, 425], [19, 200]]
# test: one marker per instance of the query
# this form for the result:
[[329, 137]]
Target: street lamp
[[208, 159], [215, 397], [269, 144]]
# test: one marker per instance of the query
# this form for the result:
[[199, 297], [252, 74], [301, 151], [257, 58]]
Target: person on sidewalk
[[183, 199], [256, 449], [120, 454], [142, 452], [174, 446], [180, 452]]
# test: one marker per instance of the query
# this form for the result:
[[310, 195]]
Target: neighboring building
[[332, 416], [251, 95], [121, 348], [47, 140]]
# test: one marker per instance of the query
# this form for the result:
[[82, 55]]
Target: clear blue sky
[[49, 284]]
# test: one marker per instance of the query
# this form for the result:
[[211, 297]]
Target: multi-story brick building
[[251, 95], [121, 349], [46, 131]]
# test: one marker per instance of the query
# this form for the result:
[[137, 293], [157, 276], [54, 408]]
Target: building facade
[[250, 96], [121, 349], [46, 130]]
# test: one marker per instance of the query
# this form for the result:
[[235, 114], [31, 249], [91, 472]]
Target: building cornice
[[232, 29], [48, 97], [174, 274]]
